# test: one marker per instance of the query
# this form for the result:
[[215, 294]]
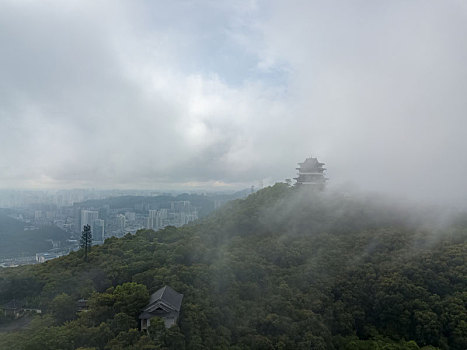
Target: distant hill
[[281, 269], [16, 241], [205, 203]]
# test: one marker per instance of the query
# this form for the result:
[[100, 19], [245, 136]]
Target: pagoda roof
[[311, 160]]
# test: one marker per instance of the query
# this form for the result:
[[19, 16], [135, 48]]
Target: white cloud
[[381, 85], [152, 93]]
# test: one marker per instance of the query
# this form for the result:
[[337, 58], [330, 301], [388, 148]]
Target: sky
[[227, 94]]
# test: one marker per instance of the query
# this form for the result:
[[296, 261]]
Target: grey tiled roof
[[168, 296]]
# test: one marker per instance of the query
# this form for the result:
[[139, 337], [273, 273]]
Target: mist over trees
[[281, 269], [109, 110]]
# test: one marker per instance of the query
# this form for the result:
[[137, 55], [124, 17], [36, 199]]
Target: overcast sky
[[223, 94]]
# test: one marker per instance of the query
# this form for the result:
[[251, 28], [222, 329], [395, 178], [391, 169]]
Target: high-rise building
[[152, 220], [97, 230], [77, 228], [88, 217], [121, 223], [162, 218], [37, 215]]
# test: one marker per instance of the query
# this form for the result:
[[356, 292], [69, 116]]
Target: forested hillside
[[15, 241], [282, 269]]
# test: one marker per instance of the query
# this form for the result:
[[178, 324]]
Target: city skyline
[[55, 227]]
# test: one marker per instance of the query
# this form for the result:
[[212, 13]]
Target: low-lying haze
[[142, 94]]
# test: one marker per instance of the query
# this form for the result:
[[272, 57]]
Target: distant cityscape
[[70, 210]]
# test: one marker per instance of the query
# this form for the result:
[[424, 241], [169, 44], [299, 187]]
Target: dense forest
[[281, 269]]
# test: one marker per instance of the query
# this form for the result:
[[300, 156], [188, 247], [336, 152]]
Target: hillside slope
[[282, 269], [16, 241]]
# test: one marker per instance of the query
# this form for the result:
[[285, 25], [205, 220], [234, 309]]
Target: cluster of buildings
[[106, 222], [179, 214]]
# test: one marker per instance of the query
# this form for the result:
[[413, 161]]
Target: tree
[[86, 240], [130, 298], [63, 307], [123, 322]]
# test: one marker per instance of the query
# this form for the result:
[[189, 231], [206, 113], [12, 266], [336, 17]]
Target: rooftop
[[168, 296]]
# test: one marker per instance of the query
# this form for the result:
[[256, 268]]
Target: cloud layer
[[152, 94]]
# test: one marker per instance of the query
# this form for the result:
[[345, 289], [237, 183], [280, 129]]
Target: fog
[[222, 94]]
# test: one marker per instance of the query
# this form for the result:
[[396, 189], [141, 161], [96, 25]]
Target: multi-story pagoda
[[311, 174]]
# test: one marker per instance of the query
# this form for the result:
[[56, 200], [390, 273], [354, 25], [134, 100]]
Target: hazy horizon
[[223, 95]]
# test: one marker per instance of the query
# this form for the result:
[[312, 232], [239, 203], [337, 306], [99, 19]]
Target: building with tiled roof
[[164, 303], [311, 174]]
